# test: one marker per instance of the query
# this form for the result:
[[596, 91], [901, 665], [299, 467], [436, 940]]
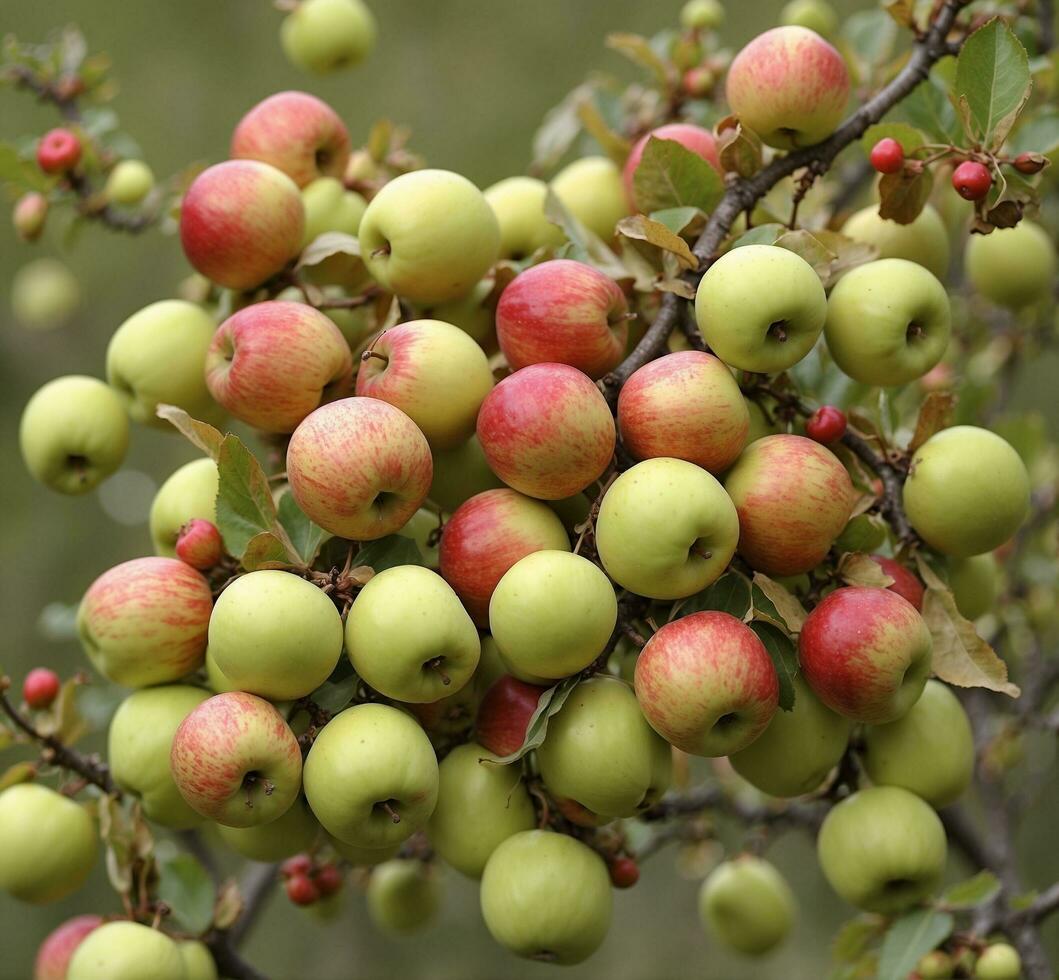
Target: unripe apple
[[518, 203], [1013, 267], [371, 776], [363, 857], [73, 434], [480, 805], [552, 614], [236, 761], [330, 207], [47, 844], [145, 621], [1000, 961], [601, 753], [790, 86], [359, 468], [974, 584], [422, 528], [505, 713], [156, 357], [706, 684], [323, 36], [760, 308], [924, 240], [44, 294], [29, 214], [294, 132], [591, 189], [404, 896], [139, 744], [198, 960], [699, 141], [888, 322], [929, 750], [666, 529], [702, 15], [275, 635], [936, 965], [292, 833], [761, 425], [429, 236], [882, 849], [546, 896], [746, 904], [793, 498], [129, 182], [817, 15], [461, 473], [473, 313], [126, 951], [905, 583], [188, 494], [967, 491], [54, 954]]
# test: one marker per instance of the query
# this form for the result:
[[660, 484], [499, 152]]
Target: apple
[[241, 222], [45, 294], [600, 752], [923, 240], [126, 951], [974, 584], [551, 615], [47, 844], [330, 207], [198, 960], [505, 713], [967, 491], [474, 313], [666, 529], [275, 635], [760, 308], [145, 621], [429, 236], [518, 203], [790, 86], [480, 805], [157, 356], [700, 141], [53, 955], [436, 374], [1000, 961], [290, 834], [817, 15], [488, 534], [363, 857], [128, 183], [546, 896], [929, 750], [29, 215], [761, 424], [189, 493], [747, 905], [322, 36], [294, 132], [359, 468], [685, 405], [882, 849], [888, 322], [215, 678], [702, 15], [461, 473], [706, 684], [139, 744], [798, 750], [1013, 267], [793, 498], [236, 761], [273, 363], [404, 895], [73, 434], [422, 528], [866, 653], [547, 431], [905, 583], [409, 637], [200, 545], [593, 192], [371, 776], [936, 965]]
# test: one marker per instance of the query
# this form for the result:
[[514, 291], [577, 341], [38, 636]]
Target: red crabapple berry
[[826, 425], [58, 151], [40, 688], [300, 864], [301, 890], [199, 544], [972, 180], [1030, 163], [699, 81], [624, 872], [887, 156], [328, 879]]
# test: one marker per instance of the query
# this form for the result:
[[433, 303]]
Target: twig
[[1046, 26]]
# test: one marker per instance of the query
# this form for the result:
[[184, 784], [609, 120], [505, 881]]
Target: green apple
[[189, 492], [551, 615], [322, 36], [798, 750], [924, 240], [1001, 961], [929, 751], [294, 832], [592, 191], [216, 681], [974, 584], [429, 236], [47, 844], [473, 313], [666, 529], [760, 424], [746, 904], [546, 896], [882, 849], [888, 322], [702, 15], [409, 637], [518, 203], [330, 207], [363, 857], [198, 960], [1013, 267], [967, 491], [45, 294], [127, 951], [760, 308], [461, 473], [74, 433], [275, 635], [480, 805], [371, 776], [936, 965], [817, 15], [404, 896], [601, 753], [129, 182], [422, 526], [138, 746]]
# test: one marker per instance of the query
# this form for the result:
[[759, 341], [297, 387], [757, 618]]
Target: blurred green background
[[473, 79]]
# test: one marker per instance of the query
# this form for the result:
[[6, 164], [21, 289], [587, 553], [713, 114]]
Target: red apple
[[905, 583], [694, 138], [505, 713], [563, 311], [54, 954], [294, 132], [685, 405], [546, 431]]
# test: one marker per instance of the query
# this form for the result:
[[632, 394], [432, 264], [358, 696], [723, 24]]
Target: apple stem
[[435, 665], [394, 815], [369, 354], [778, 331], [381, 250], [704, 555]]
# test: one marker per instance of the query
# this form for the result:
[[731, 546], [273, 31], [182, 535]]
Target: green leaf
[[202, 435], [972, 892], [583, 245], [336, 692], [678, 220], [855, 938], [548, 704], [186, 888], [21, 173], [806, 245], [639, 51], [992, 79], [872, 35], [909, 939], [245, 507], [761, 235], [1037, 133], [739, 149], [670, 176], [263, 551], [614, 145], [928, 109], [306, 536], [328, 244], [786, 605], [730, 594], [389, 552], [910, 138], [784, 656], [560, 129]]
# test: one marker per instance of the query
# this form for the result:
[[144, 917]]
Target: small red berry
[[199, 544], [1030, 163], [300, 864], [699, 81], [624, 872], [58, 151], [827, 424], [328, 879], [887, 156], [301, 890], [972, 180], [41, 687]]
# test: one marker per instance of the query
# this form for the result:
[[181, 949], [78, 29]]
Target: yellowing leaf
[[860, 569], [787, 605], [642, 228]]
